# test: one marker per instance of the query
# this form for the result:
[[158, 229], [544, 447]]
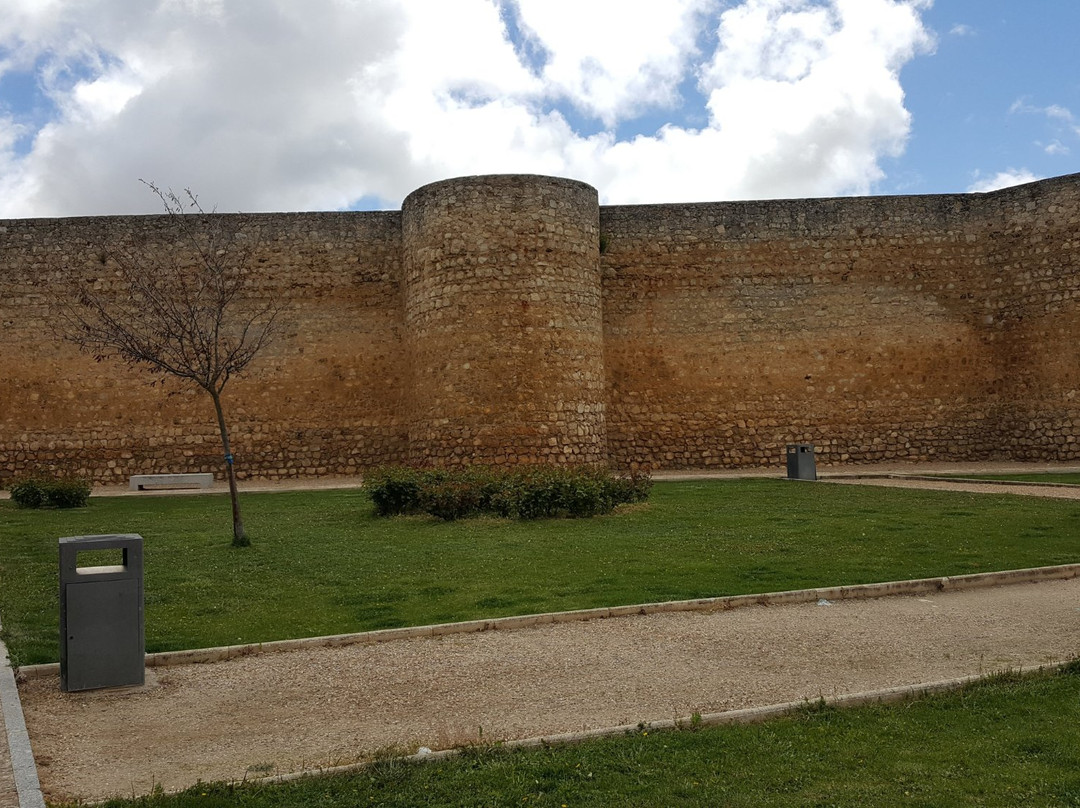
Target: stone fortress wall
[[511, 319]]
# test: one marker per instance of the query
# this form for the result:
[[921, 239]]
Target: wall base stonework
[[512, 319]]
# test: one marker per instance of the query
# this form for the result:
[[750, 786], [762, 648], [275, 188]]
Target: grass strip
[[1067, 478], [1006, 741], [322, 563]]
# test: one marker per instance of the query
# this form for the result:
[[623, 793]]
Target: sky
[[289, 105]]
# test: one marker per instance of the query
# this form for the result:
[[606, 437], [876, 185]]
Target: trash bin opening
[[111, 559]]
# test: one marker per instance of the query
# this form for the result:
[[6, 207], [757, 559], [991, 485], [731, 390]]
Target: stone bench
[[145, 482]]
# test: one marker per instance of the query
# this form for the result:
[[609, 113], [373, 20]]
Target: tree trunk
[[240, 538]]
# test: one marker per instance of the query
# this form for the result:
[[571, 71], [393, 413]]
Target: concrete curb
[[27, 785], [749, 715], [853, 592]]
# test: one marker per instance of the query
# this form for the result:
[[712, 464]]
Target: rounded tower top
[[497, 183]]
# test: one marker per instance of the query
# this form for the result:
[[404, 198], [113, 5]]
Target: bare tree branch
[[177, 310]]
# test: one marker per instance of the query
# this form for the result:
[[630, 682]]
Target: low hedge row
[[47, 492], [531, 492]]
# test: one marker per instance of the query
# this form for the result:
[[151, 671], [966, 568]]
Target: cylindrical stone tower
[[503, 321]]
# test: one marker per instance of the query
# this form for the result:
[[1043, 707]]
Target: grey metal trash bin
[[102, 634], [800, 461]]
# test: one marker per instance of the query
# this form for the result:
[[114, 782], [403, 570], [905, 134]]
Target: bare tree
[[178, 311]]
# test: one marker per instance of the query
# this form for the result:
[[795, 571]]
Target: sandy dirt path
[[289, 711], [9, 796]]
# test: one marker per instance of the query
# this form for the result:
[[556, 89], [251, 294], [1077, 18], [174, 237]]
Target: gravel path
[[294, 710]]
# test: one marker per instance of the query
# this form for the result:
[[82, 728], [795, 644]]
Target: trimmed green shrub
[[42, 492], [395, 490], [533, 492], [67, 493], [28, 492], [547, 492], [451, 499], [631, 487]]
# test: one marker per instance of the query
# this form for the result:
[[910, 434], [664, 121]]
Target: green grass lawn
[[323, 564], [1070, 478], [1006, 742]]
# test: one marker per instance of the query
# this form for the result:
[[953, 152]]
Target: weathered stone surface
[[885, 328], [325, 398], [503, 321], [483, 323]]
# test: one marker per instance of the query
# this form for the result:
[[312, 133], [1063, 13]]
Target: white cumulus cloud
[[803, 99], [1003, 179], [617, 58], [279, 105]]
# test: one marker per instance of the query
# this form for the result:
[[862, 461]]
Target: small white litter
[[824, 602]]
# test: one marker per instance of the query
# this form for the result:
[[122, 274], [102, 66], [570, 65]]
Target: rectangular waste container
[[800, 461], [102, 634]]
